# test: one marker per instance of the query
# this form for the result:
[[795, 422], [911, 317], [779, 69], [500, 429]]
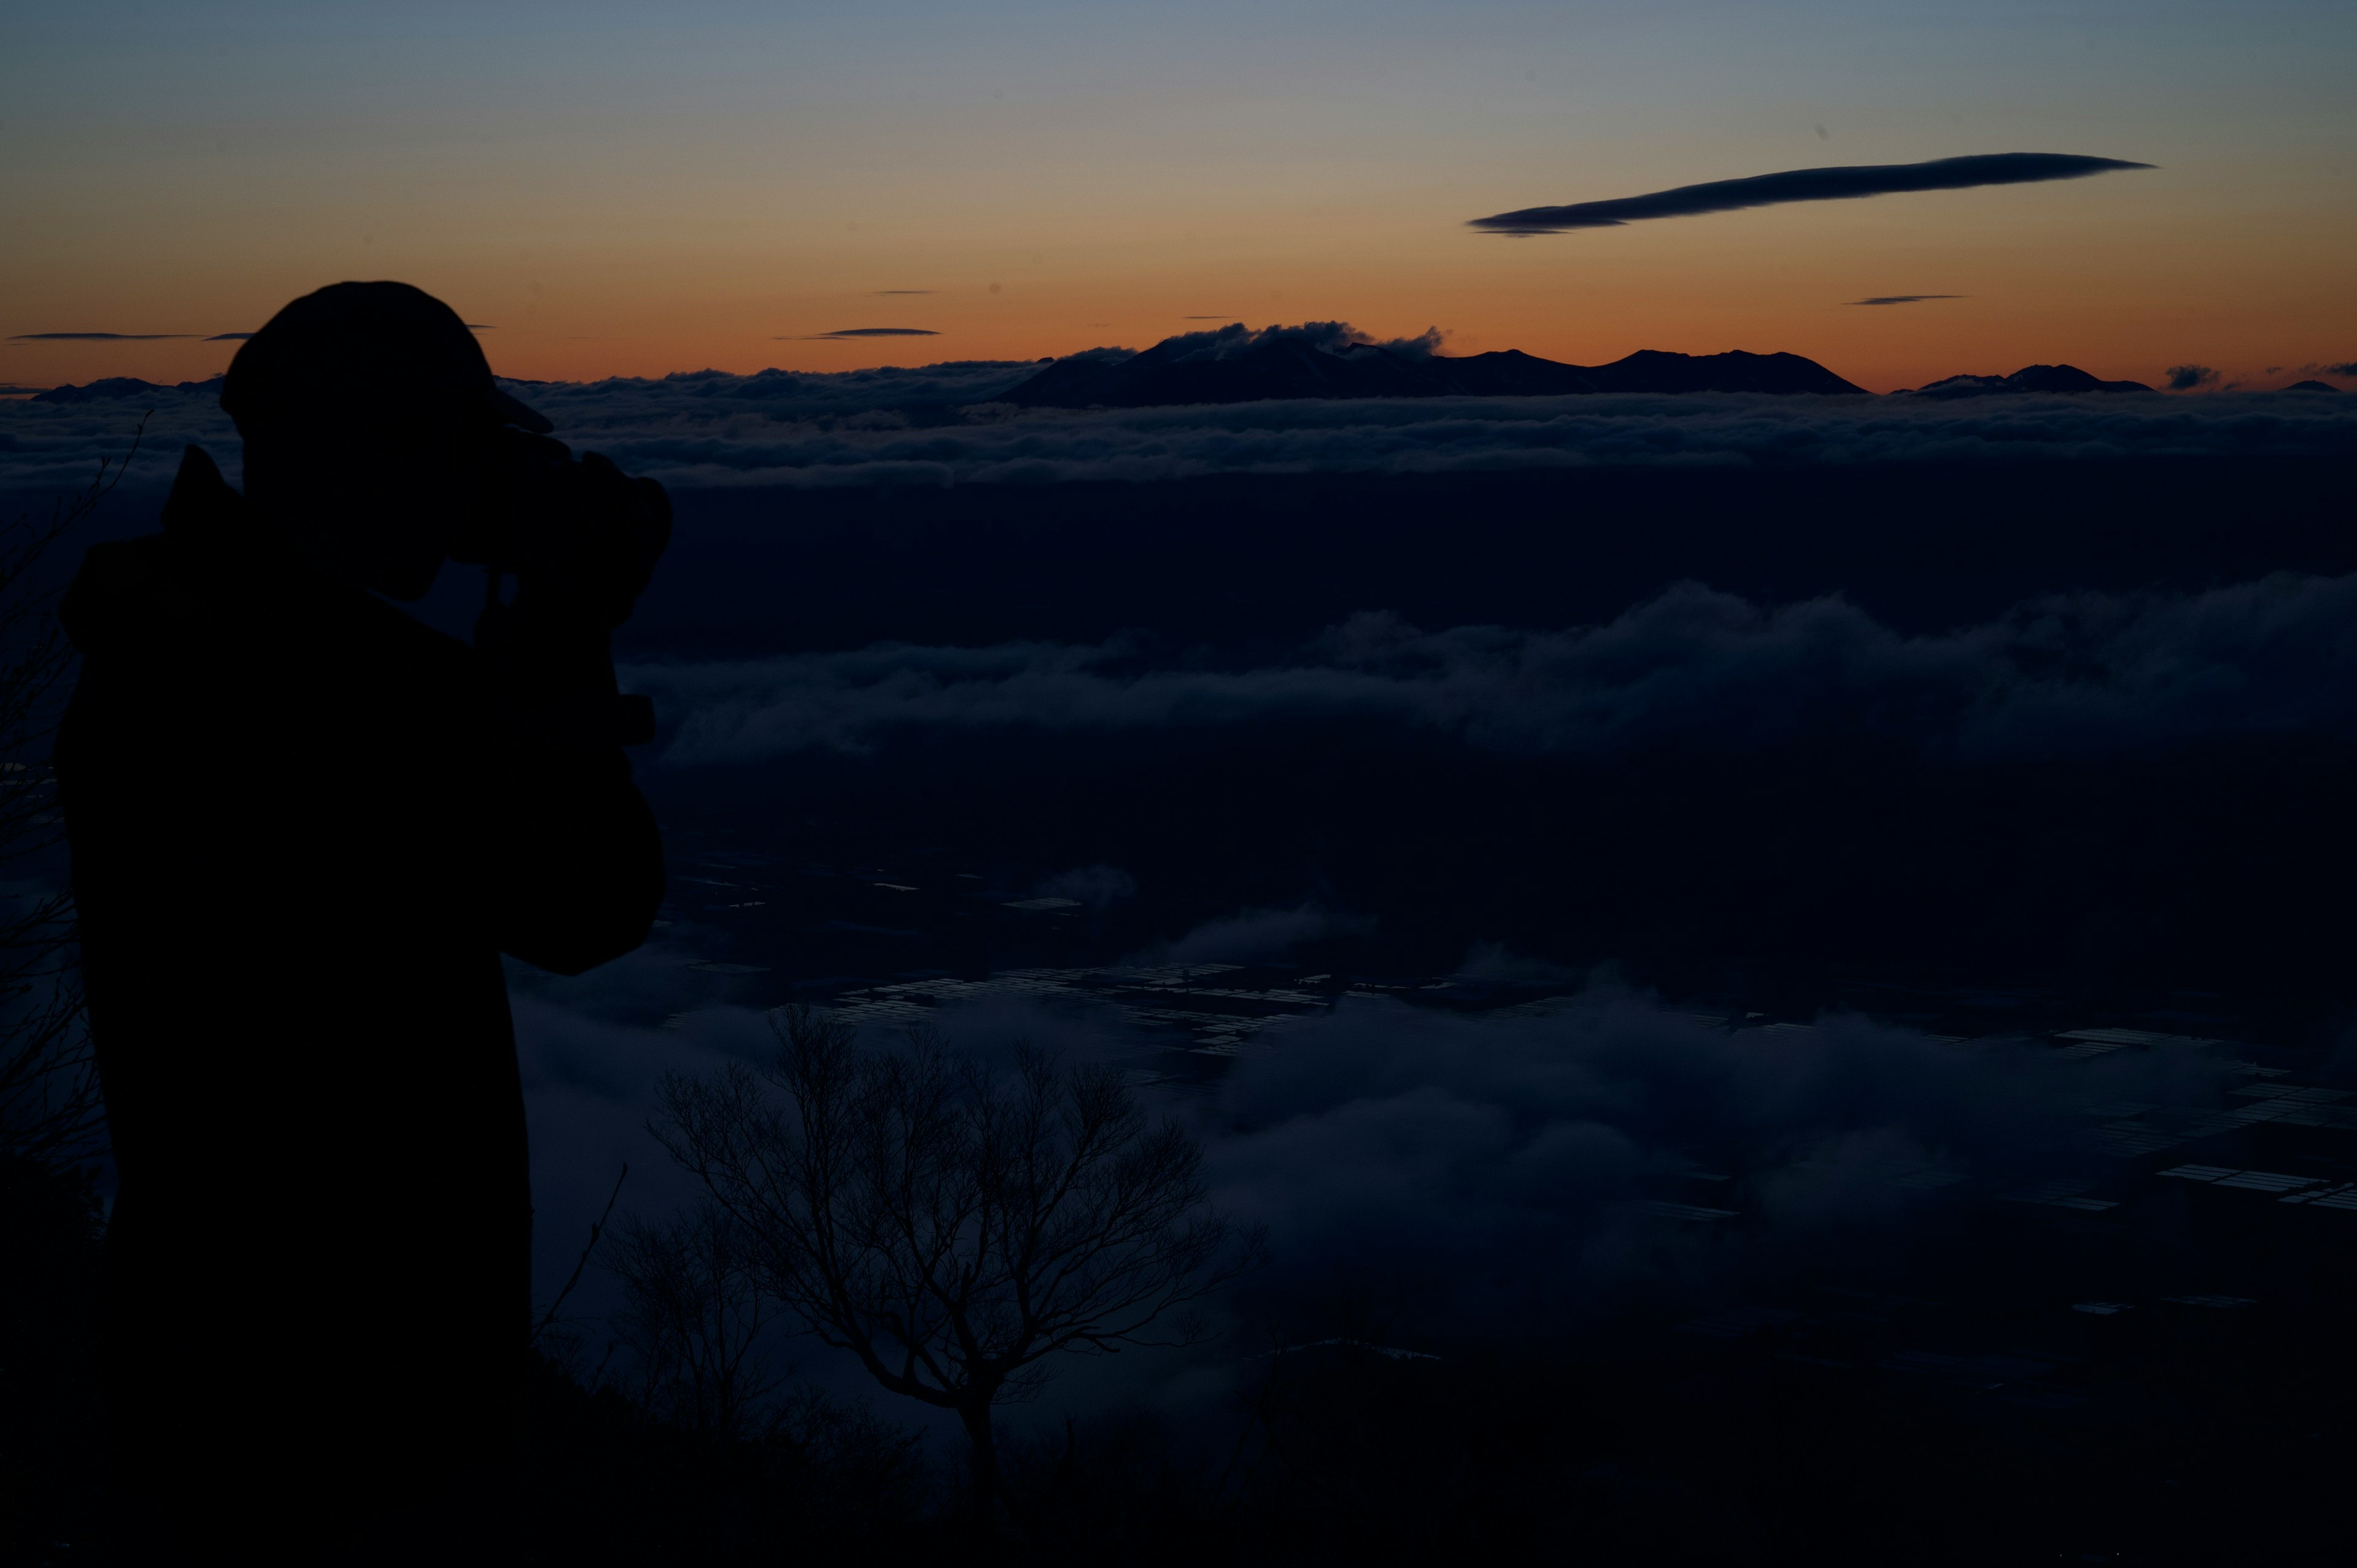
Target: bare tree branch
[[694, 1314], [596, 1230], [952, 1228]]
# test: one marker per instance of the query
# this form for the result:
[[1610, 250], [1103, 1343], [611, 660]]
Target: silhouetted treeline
[[2200, 1441], [2202, 1438], [603, 1481]]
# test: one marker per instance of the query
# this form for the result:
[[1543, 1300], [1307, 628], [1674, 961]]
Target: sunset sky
[[636, 189]]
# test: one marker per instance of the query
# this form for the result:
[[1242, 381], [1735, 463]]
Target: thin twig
[[595, 1232]]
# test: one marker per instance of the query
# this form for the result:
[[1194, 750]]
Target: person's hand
[[598, 549]]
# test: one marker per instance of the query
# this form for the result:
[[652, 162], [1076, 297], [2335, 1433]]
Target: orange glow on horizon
[[2123, 275]]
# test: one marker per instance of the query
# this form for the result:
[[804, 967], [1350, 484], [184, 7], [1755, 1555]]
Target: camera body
[[536, 499], [579, 533]]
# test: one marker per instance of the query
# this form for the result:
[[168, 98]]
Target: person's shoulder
[[128, 562], [126, 588]]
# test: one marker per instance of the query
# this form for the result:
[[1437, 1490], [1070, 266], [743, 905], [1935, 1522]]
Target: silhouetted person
[[304, 827]]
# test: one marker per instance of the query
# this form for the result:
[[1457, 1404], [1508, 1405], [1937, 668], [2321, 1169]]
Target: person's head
[[372, 426]]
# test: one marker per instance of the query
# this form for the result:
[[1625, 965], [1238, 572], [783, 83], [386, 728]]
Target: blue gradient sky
[[646, 189]]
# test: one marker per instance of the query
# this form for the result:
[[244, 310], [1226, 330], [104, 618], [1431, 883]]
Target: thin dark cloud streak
[[863, 332], [1906, 298], [1836, 184]]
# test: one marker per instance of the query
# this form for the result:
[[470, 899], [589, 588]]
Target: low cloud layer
[[2087, 675], [1475, 1175], [1487, 1175], [940, 424], [1837, 184]]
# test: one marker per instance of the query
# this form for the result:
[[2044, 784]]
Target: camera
[[533, 491], [577, 528]]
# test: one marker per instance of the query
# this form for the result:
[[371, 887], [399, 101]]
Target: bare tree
[[50, 1107], [694, 1311], [951, 1227]]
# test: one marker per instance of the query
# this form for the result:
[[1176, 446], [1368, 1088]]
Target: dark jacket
[[303, 828]]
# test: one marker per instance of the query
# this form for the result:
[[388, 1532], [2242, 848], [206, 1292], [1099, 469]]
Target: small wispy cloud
[[98, 337], [1839, 184], [1905, 298], [228, 337], [2188, 378], [863, 332], [2345, 368]]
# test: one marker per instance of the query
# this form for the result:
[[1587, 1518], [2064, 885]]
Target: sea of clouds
[[2079, 675], [1498, 1167], [1474, 1174], [942, 424]]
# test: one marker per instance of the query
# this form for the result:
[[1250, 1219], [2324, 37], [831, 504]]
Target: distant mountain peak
[[118, 387], [1323, 360], [2029, 379]]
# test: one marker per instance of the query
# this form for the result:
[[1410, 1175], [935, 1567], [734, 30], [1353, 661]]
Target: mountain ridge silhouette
[[107, 387], [2029, 379], [1283, 364]]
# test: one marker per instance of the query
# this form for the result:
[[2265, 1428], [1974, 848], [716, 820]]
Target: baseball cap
[[362, 346]]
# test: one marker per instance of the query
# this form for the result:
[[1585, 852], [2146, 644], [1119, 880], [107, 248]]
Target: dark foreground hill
[[1234, 365]]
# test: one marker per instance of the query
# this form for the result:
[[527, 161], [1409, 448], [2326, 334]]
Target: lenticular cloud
[[1837, 184]]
